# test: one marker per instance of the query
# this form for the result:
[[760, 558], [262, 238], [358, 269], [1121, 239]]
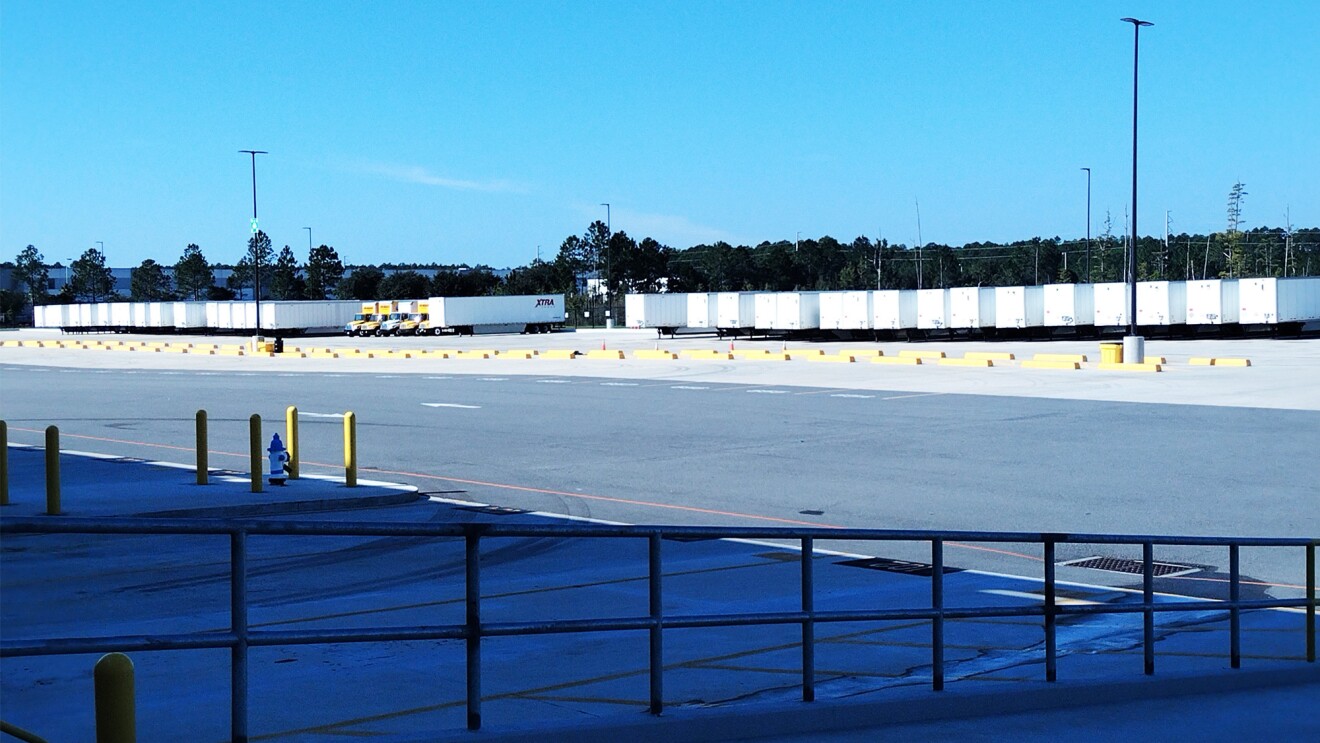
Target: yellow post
[[4, 463], [350, 449], [291, 440], [203, 452], [52, 471], [254, 444], [116, 713]]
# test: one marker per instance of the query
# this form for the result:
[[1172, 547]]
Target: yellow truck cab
[[412, 324], [371, 326], [354, 326]]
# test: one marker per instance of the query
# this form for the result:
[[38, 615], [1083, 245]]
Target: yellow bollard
[[52, 471], [4, 463], [203, 465], [116, 713], [291, 440], [350, 449], [254, 436]]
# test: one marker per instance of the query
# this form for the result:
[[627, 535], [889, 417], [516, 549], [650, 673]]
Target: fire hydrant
[[279, 458]]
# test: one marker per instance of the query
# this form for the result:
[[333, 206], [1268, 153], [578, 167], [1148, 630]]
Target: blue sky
[[476, 131]]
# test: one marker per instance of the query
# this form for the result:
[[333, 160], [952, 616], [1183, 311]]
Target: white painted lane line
[[618, 384], [1063, 600], [856, 397], [688, 387], [450, 405], [552, 381], [923, 394], [305, 414], [493, 379], [437, 377], [769, 392]]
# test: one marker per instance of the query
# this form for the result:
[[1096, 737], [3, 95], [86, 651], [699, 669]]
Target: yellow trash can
[[1111, 353]]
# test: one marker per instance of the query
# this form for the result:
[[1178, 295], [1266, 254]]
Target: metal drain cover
[[1131, 567], [897, 566]]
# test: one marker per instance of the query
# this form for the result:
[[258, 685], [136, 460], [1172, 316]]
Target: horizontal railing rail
[[239, 638]]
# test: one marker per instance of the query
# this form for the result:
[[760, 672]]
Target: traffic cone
[[602, 345]]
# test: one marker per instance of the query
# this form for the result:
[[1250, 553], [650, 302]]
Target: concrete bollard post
[[350, 449], [254, 449], [52, 471], [4, 463], [203, 450], [291, 440], [116, 709]]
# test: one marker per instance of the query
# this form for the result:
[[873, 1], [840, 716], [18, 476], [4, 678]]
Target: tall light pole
[[1136, 343], [309, 241], [256, 252], [1088, 224]]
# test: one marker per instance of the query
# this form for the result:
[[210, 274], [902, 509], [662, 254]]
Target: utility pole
[[918, 203], [1088, 224]]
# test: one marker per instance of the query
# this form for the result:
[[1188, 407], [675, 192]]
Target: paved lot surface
[[647, 442], [1221, 450]]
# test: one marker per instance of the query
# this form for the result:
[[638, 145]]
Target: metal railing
[[240, 637]]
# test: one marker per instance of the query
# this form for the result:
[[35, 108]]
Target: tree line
[[601, 262]]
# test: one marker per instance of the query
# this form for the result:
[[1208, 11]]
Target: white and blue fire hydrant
[[279, 460]]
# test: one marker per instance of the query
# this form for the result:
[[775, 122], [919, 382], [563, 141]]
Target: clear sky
[[475, 131]]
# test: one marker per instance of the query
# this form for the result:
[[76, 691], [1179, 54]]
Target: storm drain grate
[[494, 510], [897, 566], [1133, 567]]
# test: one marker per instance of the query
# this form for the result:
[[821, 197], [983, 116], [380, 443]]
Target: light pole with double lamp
[[1134, 346]]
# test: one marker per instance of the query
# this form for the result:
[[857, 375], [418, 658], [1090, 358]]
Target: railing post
[[4, 463], [808, 624], [1148, 599], [657, 660], [1051, 615], [203, 450], [350, 449], [52, 471], [291, 440], [1234, 613], [472, 564], [116, 713], [254, 450], [937, 622], [238, 622], [1310, 602]]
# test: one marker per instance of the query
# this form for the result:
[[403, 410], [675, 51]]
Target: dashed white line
[[769, 392], [687, 387], [552, 381], [922, 394], [305, 414], [451, 405], [858, 397], [618, 384], [493, 379]]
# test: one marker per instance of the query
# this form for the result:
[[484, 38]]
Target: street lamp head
[[1136, 22], [254, 152]]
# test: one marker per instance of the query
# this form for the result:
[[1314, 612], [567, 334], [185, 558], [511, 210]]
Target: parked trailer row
[[437, 315], [1267, 301], [280, 317]]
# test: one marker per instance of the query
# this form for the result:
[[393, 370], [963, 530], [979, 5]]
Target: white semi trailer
[[523, 313]]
